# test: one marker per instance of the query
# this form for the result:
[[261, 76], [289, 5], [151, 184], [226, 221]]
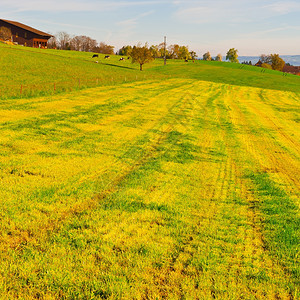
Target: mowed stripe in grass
[[148, 191]]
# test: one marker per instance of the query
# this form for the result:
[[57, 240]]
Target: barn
[[26, 35], [291, 69]]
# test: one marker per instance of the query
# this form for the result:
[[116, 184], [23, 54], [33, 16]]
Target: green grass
[[231, 73], [32, 72], [181, 188], [281, 223]]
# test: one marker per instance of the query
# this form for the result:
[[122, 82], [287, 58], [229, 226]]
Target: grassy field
[[27, 72], [181, 188]]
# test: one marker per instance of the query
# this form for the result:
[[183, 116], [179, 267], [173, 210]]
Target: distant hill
[[292, 59]]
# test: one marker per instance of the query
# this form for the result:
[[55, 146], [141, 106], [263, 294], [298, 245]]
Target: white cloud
[[231, 11], [283, 7], [73, 5]]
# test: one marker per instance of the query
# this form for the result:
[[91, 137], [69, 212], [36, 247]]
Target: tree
[[104, 49], [277, 62], [5, 34], [63, 40], [141, 55], [193, 55], [155, 51], [232, 55], [219, 57], [125, 51], [76, 43], [162, 50], [82, 43], [173, 51], [265, 58], [52, 43], [183, 52], [207, 56]]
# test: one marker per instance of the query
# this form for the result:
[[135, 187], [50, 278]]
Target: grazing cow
[[106, 56], [95, 55], [122, 58], [128, 57], [186, 60]]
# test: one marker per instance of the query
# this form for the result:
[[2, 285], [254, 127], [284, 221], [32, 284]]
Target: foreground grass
[[180, 189]]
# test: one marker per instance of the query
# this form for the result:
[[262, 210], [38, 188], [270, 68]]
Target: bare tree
[[104, 48], [63, 40], [82, 43], [219, 57], [265, 59], [76, 43], [5, 34], [206, 56], [52, 43]]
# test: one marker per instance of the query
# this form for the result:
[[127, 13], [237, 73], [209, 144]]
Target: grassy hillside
[[155, 189], [41, 71], [29, 71], [231, 73]]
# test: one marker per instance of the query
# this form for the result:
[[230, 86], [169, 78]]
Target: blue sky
[[251, 26]]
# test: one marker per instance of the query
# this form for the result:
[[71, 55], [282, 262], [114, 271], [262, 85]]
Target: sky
[[253, 27]]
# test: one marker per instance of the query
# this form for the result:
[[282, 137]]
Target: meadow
[[181, 185]]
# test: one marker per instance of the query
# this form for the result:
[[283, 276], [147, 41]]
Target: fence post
[[21, 89], [54, 87]]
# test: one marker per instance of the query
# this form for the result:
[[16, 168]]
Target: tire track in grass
[[219, 250], [248, 239], [183, 253], [282, 157], [255, 213], [157, 133]]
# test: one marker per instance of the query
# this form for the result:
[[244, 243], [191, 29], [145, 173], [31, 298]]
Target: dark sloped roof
[[28, 28]]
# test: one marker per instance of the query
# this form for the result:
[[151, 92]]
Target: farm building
[[26, 35], [258, 64], [291, 69]]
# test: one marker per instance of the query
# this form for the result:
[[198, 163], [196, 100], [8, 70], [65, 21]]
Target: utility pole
[[165, 45]]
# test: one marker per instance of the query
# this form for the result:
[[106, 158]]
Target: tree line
[[65, 41], [231, 55], [159, 51]]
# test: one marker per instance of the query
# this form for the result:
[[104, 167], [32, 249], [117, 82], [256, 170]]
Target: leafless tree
[[219, 57], [5, 34], [63, 40], [52, 43], [206, 56], [104, 48]]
